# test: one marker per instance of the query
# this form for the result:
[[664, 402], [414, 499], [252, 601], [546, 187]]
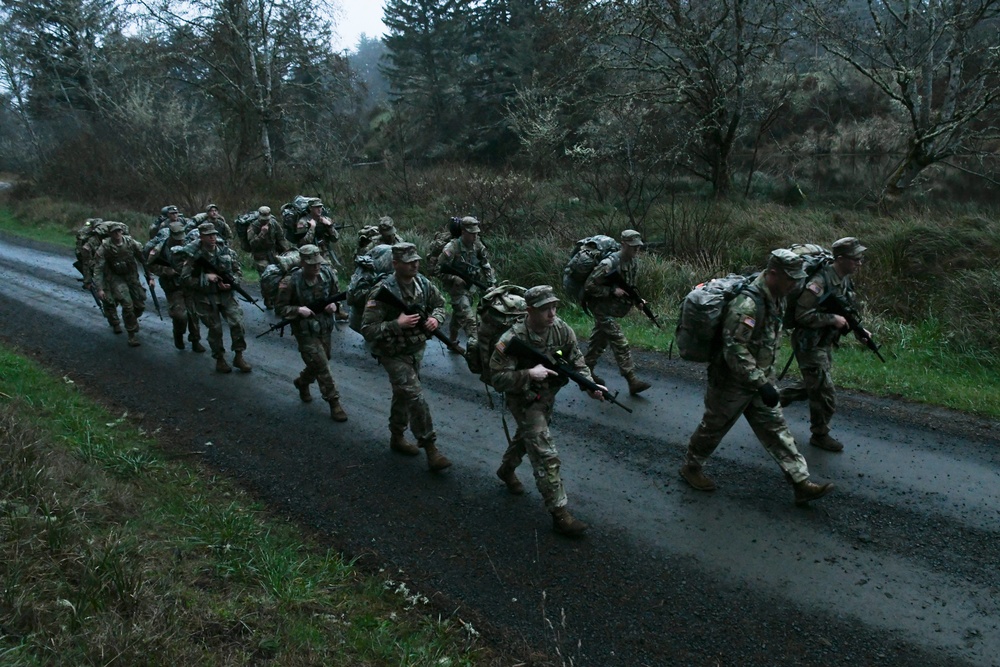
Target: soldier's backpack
[[586, 255], [699, 327], [369, 270], [814, 258], [272, 275], [242, 224], [432, 258], [292, 212], [499, 309]]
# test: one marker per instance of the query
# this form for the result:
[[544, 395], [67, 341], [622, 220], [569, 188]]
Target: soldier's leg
[[822, 393], [316, 355], [260, 263], [771, 429], [542, 453], [110, 309], [724, 403], [518, 407], [123, 297], [193, 318], [178, 316], [597, 343], [208, 313], [798, 390], [138, 295], [232, 311], [464, 315], [615, 337], [408, 404]]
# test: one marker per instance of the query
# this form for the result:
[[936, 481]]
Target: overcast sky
[[358, 16]]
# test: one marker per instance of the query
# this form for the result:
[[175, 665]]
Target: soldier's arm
[[280, 240], [256, 238], [190, 278], [807, 307], [305, 232], [99, 266], [374, 325], [572, 354], [503, 369], [435, 304], [737, 329], [283, 305], [597, 282], [484, 263]]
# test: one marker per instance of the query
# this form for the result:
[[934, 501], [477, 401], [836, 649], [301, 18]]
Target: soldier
[[530, 394], [608, 301], [382, 234], [468, 255], [116, 273], [168, 214], [267, 241], [167, 261], [741, 380], [815, 336], [305, 297], [213, 296], [86, 251], [213, 215], [398, 341], [317, 229]]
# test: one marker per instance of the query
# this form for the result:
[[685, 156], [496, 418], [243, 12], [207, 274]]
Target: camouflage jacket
[[267, 244], [294, 291], [751, 335], [194, 273], [86, 255], [122, 260], [599, 290], [167, 261], [322, 233], [510, 374], [475, 261], [815, 328], [379, 326]]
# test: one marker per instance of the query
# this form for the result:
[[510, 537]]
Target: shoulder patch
[[501, 346], [749, 321], [371, 303], [815, 288]]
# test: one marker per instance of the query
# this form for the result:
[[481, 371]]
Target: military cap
[[632, 237], [117, 227], [404, 252], [313, 203], [177, 230], [207, 229], [470, 224], [310, 254], [385, 224], [264, 210], [211, 206], [848, 247], [540, 295], [785, 260], [170, 209]]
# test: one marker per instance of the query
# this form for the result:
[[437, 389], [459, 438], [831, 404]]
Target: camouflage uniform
[[400, 351], [751, 336], [599, 291], [166, 261], [265, 246], [221, 226], [318, 231], [382, 234], [116, 272], [86, 250], [212, 304], [313, 333], [474, 261]]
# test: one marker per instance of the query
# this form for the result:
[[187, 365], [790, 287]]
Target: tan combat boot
[[337, 413], [509, 477], [221, 366], [133, 340], [399, 443], [806, 491], [303, 388], [241, 363], [565, 524], [827, 442], [453, 335], [696, 478], [196, 346], [435, 459], [635, 385], [116, 327]]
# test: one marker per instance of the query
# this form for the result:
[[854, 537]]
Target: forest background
[[719, 129]]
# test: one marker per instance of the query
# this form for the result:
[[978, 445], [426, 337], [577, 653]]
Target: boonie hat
[[207, 229], [848, 247], [540, 295], [310, 254], [177, 230], [264, 210], [632, 237], [404, 252], [470, 224], [785, 260], [385, 224]]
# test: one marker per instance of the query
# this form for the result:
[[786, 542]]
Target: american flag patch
[[501, 346], [814, 288], [371, 304], [750, 322]]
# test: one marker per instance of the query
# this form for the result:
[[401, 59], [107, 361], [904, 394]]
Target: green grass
[[115, 554]]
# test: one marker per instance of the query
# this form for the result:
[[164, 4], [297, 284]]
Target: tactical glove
[[769, 395]]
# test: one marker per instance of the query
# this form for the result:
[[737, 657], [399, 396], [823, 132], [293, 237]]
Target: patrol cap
[[848, 247], [313, 203], [177, 230], [632, 237], [310, 254], [540, 295], [211, 206], [207, 229], [385, 224], [171, 209], [264, 210], [470, 224], [785, 260], [117, 227], [404, 252]]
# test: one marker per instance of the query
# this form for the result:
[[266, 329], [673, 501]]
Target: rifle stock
[[390, 299], [315, 306], [518, 348], [449, 270]]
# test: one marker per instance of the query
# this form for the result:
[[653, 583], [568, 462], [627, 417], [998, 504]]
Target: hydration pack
[[586, 255]]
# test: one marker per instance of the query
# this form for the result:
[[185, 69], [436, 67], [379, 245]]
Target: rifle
[[390, 299], [633, 294], [449, 270], [89, 286], [518, 348], [229, 280], [152, 291], [317, 306], [836, 304]]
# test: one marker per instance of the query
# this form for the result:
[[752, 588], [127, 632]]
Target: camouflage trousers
[[463, 315], [110, 309], [212, 309], [408, 407], [725, 401], [260, 262], [607, 332], [533, 438], [184, 313], [315, 352], [816, 386], [131, 296]]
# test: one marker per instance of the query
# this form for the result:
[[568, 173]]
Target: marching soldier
[[116, 273], [267, 240], [468, 255], [167, 262]]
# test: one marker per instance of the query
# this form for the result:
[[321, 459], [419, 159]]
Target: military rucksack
[[432, 258], [242, 224], [292, 212], [499, 309], [369, 271], [814, 258], [586, 255], [699, 327], [271, 277]]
